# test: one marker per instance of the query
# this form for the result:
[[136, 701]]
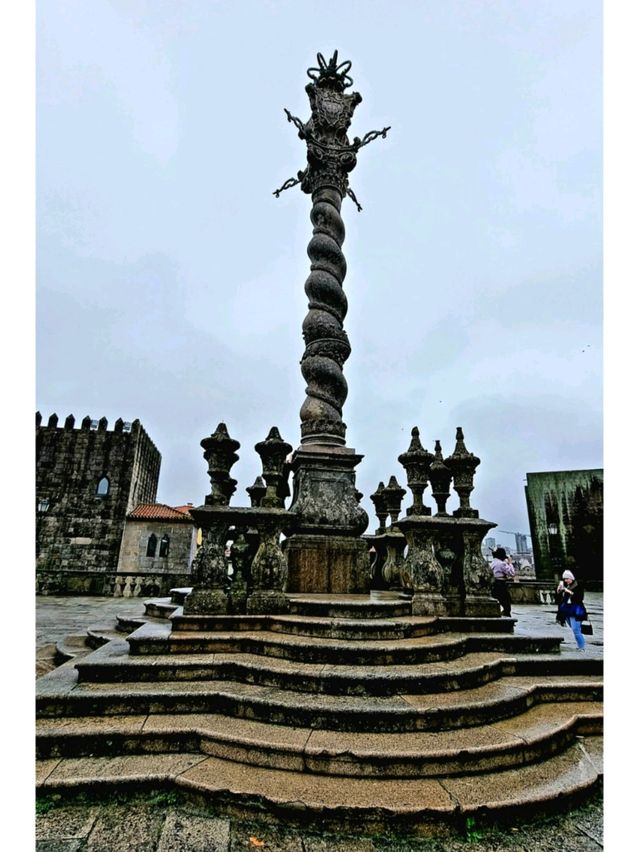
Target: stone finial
[[70, 421], [256, 491], [416, 462], [394, 493], [440, 478], [219, 452], [379, 500], [86, 423], [53, 421], [462, 464], [273, 452], [118, 425], [38, 419], [102, 424]]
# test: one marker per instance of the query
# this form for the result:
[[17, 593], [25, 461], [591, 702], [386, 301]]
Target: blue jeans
[[574, 624]]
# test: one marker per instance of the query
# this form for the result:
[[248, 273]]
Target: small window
[[103, 487], [152, 544], [164, 545]]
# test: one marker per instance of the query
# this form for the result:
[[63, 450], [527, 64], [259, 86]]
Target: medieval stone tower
[[87, 480]]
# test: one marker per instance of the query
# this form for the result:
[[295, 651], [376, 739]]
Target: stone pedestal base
[[429, 604], [321, 564], [205, 602], [455, 605], [267, 603], [481, 607]]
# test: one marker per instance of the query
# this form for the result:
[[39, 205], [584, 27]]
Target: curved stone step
[[377, 804], [534, 735], [401, 627], [160, 639], [418, 712], [72, 647], [178, 595], [311, 626], [348, 606], [160, 607], [129, 623], [106, 666], [99, 635]]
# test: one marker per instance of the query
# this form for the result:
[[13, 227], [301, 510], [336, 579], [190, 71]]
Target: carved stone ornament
[[416, 462], [462, 464], [379, 500], [273, 451], [394, 493], [440, 478], [256, 491], [219, 453]]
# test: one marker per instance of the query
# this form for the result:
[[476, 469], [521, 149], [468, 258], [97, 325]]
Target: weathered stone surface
[[324, 563], [80, 529], [193, 833]]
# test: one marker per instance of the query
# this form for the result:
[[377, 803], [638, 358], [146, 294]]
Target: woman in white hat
[[571, 606]]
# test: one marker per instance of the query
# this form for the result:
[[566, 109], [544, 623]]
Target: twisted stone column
[[326, 553], [327, 344]]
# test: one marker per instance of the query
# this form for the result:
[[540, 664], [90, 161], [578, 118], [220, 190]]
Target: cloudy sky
[[170, 280]]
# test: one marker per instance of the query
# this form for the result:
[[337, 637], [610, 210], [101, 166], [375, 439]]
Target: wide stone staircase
[[347, 710]]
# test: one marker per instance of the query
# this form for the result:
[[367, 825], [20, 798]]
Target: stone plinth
[[448, 572], [325, 551], [267, 575], [327, 564]]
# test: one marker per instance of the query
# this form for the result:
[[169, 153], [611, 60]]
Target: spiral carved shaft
[[327, 344]]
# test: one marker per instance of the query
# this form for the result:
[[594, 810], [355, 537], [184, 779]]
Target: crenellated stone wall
[[87, 480]]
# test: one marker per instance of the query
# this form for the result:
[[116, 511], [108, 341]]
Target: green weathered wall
[[573, 499]]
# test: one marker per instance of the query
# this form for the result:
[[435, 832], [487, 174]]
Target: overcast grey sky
[[170, 280]]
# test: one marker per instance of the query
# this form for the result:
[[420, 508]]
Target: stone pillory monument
[[314, 672], [324, 551]]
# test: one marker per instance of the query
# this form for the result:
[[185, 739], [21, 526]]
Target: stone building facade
[[88, 479], [157, 539], [566, 519]]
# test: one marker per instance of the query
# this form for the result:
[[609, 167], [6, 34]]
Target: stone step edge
[[371, 610], [541, 788], [359, 755], [408, 624], [318, 711], [151, 636], [337, 680]]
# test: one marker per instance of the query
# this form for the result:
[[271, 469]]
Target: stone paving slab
[[186, 828]]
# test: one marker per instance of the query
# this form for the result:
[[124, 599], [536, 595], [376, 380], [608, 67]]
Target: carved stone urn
[[462, 464]]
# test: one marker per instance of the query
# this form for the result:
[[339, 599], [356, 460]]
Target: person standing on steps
[[570, 597], [503, 571]]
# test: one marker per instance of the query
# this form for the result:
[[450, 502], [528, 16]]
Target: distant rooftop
[[161, 512]]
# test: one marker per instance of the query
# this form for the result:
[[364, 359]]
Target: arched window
[[103, 487], [152, 544], [164, 545]]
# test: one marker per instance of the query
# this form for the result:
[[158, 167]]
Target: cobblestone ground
[[165, 823], [160, 824]]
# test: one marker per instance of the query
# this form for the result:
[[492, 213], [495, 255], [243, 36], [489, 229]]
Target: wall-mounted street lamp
[[43, 505], [552, 529]]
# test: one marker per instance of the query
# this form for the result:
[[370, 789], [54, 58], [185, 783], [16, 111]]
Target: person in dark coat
[[570, 597], [503, 571]]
